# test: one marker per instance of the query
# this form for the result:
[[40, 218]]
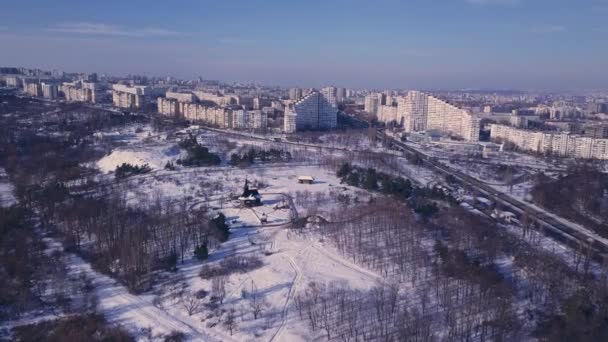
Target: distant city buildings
[[316, 110], [212, 109], [552, 143]]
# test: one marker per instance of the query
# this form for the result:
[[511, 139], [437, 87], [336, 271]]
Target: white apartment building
[[32, 88], [252, 119], [129, 97], [316, 110], [560, 144], [218, 99], [295, 94], [215, 116], [80, 91], [168, 107], [387, 113], [13, 81], [49, 91], [181, 97], [419, 112], [341, 94], [373, 102]]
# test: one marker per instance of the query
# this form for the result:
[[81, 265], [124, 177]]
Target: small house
[[306, 179], [250, 196]]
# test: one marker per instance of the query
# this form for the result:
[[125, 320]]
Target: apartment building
[[252, 119], [373, 102], [32, 87], [80, 91], [316, 110], [387, 114], [129, 97], [295, 94], [560, 144], [13, 81], [420, 112], [216, 98], [49, 91], [168, 107]]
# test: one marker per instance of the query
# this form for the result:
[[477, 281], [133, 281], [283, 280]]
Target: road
[[567, 233]]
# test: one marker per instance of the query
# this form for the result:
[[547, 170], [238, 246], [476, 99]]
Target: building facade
[[129, 97], [49, 91], [420, 112], [553, 143], [316, 110]]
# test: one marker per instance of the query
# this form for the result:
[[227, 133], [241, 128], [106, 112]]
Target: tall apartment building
[[49, 91], [181, 97], [387, 113], [168, 107], [13, 81], [252, 119], [341, 94], [129, 97], [419, 112], [32, 88], [218, 99], [316, 110], [561, 144], [373, 102], [295, 94], [215, 116], [80, 91]]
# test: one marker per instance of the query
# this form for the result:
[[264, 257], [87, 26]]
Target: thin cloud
[[86, 28], [548, 29]]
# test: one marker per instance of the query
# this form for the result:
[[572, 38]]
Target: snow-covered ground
[[290, 261], [154, 155]]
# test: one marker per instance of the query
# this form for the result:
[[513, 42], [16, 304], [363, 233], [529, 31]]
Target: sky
[[383, 44]]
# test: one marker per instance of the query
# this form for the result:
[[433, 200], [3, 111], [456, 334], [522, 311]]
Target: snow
[[291, 261], [155, 155], [133, 312]]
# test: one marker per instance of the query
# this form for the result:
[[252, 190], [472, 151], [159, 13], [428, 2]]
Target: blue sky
[[525, 44]]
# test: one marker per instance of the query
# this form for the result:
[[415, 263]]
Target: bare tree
[[190, 302], [256, 302], [230, 322]]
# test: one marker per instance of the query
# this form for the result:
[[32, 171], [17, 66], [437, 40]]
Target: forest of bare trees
[[469, 279]]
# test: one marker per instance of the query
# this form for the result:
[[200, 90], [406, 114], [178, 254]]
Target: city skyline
[[440, 44]]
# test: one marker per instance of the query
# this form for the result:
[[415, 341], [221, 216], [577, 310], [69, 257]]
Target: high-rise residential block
[[49, 91], [420, 112], [129, 97], [316, 110]]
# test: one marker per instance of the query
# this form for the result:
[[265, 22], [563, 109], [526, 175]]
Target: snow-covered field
[[155, 156], [289, 261]]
